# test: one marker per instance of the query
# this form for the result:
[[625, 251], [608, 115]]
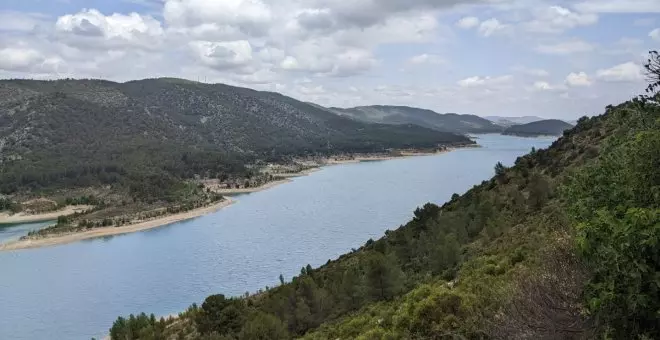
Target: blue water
[[76, 291], [13, 232]]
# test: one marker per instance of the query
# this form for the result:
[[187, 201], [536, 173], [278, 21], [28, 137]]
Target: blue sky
[[556, 59]]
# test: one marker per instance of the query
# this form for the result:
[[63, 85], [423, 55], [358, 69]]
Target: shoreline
[[65, 238], [283, 178], [21, 218], [111, 231]]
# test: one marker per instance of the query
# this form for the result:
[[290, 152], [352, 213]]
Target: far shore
[[6, 218], [284, 178], [109, 231], [64, 238]]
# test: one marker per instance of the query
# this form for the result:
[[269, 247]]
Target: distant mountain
[[90, 132], [551, 127], [450, 122], [510, 121]]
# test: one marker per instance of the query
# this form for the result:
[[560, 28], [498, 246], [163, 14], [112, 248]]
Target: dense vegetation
[[145, 136], [397, 115], [564, 244], [548, 127]]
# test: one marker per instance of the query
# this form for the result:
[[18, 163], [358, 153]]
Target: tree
[[221, 315], [652, 67], [282, 279], [499, 169], [383, 277], [263, 326]]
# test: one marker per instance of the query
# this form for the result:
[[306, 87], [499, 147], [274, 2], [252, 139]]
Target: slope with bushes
[[564, 244]]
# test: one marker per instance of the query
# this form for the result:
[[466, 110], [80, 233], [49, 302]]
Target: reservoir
[[76, 291]]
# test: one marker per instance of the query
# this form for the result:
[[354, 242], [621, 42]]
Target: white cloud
[[91, 26], [490, 27], [468, 22], [565, 48], [542, 85], [626, 72], [426, 59], [619, 6], [557, 19], [655, 34], [578, 79], [250, 15], [223, 55], [25, 59], [477, 81]]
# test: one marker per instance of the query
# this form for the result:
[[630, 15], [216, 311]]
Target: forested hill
[[562, 245], [452, 122], [90, 132], [548, 127]]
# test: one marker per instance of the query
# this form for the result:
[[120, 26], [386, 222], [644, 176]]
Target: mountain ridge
[[549, 127], [390, 114], [55, 131]]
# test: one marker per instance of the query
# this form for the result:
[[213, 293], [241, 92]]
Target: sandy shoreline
[[368, 158], [284, 178], [109, 231], [6, 218]]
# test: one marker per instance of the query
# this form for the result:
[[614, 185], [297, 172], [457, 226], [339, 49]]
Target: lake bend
[[76, 290]]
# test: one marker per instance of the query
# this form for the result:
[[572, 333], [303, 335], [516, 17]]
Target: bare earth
[[6, 218], [108, 231]]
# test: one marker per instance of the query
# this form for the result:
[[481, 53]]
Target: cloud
[[468, 22], [92, 27], [578, 79], [477, 81], [25, 59], [557, 19], [223, 55], [565, 48], [619, 6], [490, 27], [655, 34], [626, 72], [542, 85], [250, 16], [426, 59]]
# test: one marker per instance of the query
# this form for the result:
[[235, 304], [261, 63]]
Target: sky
[[554, 59]]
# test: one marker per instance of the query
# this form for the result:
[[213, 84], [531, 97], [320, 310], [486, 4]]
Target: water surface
[[76, 291], [12, 232]]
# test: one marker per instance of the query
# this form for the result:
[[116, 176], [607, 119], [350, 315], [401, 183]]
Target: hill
[[450, 122], [78, 133], [562, 245], [549, 127], [509, 121]]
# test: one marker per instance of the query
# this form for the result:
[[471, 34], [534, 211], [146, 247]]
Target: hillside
[[548, 127], [450, 122], [562, 245], [78, 133], [510, 121]]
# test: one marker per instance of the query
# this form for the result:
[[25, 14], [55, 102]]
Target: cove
[[76, 291]]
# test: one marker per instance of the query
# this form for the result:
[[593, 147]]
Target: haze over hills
[[87, 132], [451, 122], [549, 127], [509, 121]]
